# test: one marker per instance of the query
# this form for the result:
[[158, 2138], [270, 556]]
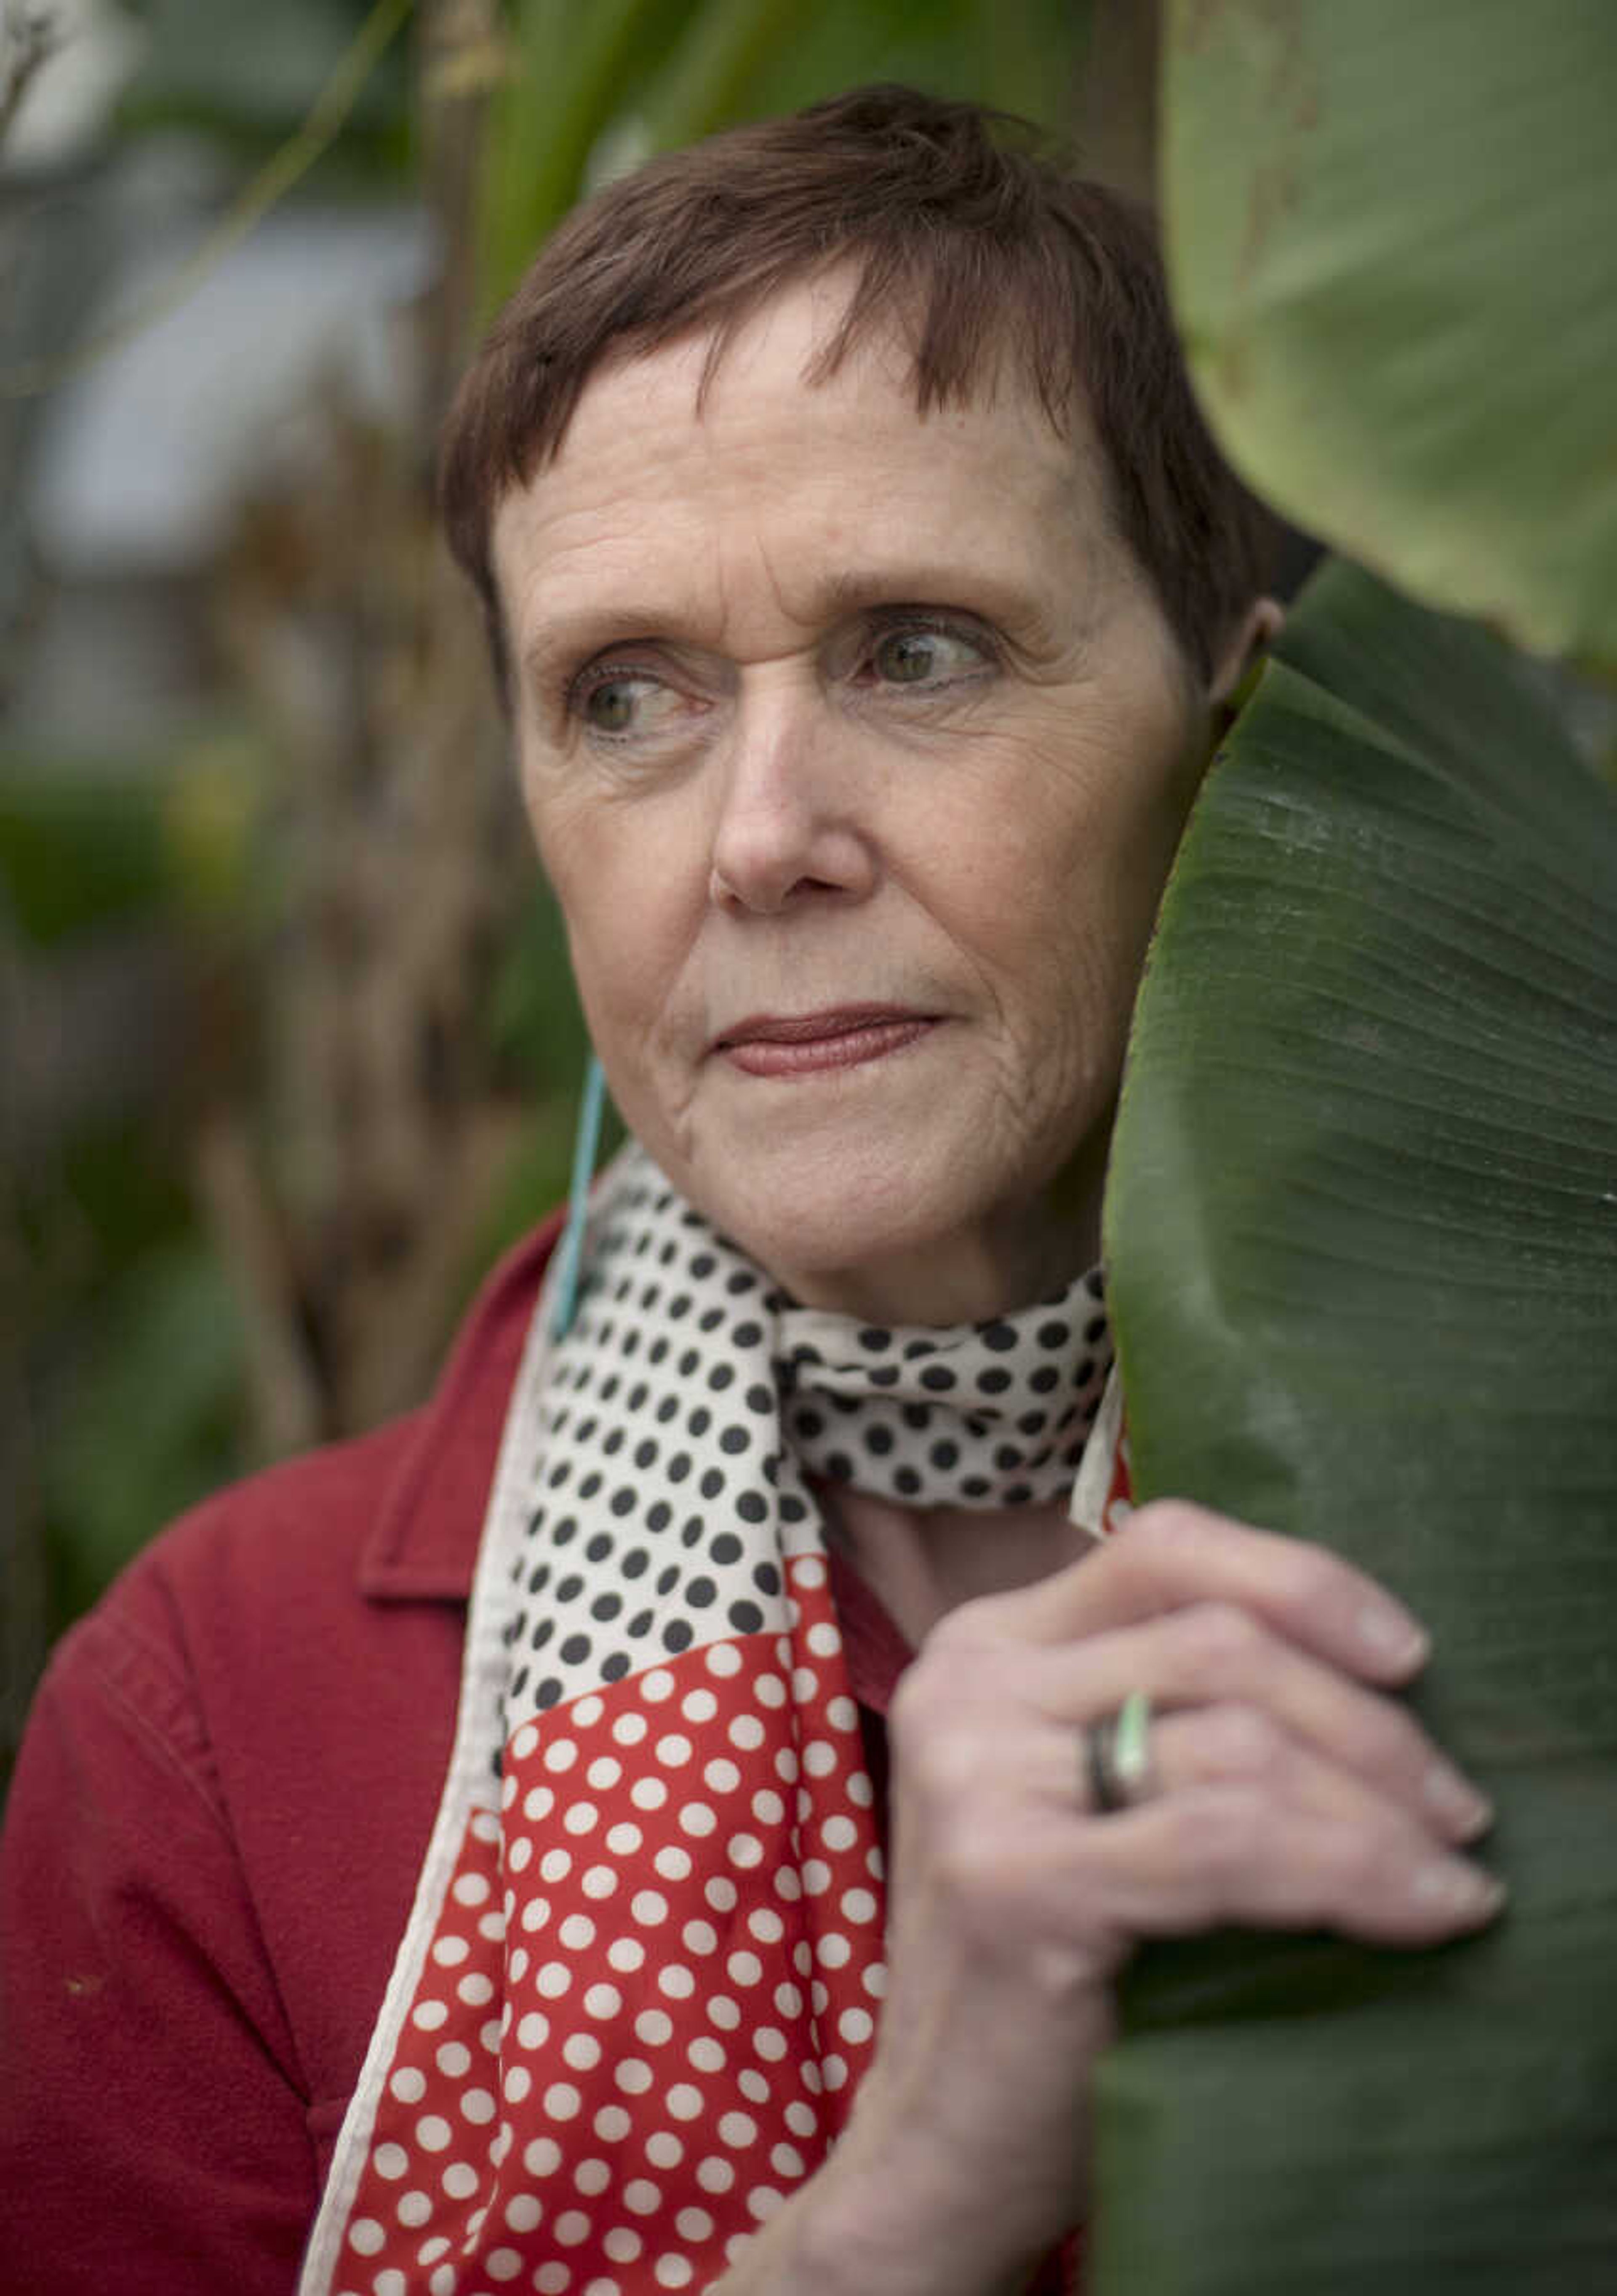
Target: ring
[[1117, 1755]]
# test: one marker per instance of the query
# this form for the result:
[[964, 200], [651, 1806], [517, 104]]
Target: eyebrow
[[1014, 606], [576, 633]]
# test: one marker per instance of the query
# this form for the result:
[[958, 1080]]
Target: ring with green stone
[[1117, 1756]]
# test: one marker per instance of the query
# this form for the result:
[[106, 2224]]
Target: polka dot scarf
[[991, 1415], [642, 1976]]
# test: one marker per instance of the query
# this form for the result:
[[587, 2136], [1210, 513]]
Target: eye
[[920, 654], [610, 707], [622, 702]]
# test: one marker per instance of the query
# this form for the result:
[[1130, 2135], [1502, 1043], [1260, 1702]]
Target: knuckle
[[1244, 1742], [929, 1695], [1392, 1743], [963, 1683], [1222, 1836], [946, 1769], [1222, 1640], [943, 1756], [1373, 1737], [912, 1704], [1366, 1858], [1166, 1532]]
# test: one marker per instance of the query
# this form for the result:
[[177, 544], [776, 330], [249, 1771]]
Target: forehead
[[766, 478]]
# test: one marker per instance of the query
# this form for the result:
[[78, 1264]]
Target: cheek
[[628, 936], [622, 984], [592, 860], [1073, 840], [1060, 893], [1121, 817]]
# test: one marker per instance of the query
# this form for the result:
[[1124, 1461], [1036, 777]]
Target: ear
[[1257, 628]]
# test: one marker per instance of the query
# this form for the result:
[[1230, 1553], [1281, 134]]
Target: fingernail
[[1393, 1634], [1457, 1800], [1450, 1885]]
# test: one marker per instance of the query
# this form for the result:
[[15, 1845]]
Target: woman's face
[[857, 748]]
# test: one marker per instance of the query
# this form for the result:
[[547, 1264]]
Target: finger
[[1173, 1553], [1225, 1853], [1215, 1655], [1235, 1745]]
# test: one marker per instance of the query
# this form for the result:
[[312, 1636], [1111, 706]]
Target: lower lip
[[847, 1048]]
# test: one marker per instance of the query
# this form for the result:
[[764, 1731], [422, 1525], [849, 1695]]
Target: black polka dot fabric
[[664, 1500], [994, 1414]]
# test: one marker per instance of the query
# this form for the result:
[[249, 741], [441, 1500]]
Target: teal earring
[[570, 1251]]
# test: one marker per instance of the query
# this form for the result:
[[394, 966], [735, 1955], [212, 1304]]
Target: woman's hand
[[1286, 1789]]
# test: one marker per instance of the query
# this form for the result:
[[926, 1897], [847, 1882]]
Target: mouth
[[807, 1044]]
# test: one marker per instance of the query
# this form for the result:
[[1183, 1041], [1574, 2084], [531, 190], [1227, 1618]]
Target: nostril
[[763, 863], [766, 897]]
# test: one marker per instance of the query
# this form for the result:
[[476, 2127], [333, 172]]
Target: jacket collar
[[423, 1545]]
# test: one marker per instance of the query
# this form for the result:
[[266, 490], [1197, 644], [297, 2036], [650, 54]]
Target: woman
[[864, 591]]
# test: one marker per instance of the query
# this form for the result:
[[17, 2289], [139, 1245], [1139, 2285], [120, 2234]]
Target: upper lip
[[805, 1028]]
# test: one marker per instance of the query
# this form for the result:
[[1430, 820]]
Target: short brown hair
[[954, 220]]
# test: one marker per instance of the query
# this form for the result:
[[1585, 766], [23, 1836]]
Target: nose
[[790, 825]]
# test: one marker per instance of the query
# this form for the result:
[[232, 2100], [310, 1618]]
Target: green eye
[[907, 657], [610, 707], [924, 657], [629, 703]]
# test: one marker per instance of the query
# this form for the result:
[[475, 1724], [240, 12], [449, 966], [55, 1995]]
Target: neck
[[920, 1563]]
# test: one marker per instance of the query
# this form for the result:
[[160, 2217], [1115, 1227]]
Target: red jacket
[[213, 1837]]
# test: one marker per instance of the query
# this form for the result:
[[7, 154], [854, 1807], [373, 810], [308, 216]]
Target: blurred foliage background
[[288, 1050]]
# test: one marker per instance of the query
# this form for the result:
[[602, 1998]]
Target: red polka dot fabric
[[651, 1991]]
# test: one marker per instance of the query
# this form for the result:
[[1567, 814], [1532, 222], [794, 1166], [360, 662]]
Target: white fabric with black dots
[[689, 1399]]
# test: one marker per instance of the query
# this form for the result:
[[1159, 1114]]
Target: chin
[[892, 1236]]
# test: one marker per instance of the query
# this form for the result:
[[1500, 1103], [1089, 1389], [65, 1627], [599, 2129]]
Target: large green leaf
[[1390, 235], [1362, 1231], [601, 87]]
